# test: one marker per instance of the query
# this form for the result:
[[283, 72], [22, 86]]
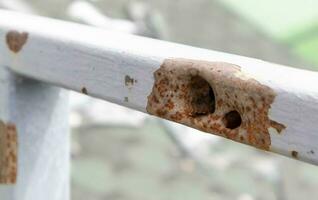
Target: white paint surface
[[75, 56]]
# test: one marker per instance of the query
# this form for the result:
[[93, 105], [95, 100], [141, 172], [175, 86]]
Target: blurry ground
[[123, 154]]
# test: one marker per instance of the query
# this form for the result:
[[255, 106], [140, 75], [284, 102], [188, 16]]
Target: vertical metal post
[[40, 114]]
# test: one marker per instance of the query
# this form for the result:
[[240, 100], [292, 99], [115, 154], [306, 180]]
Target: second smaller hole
[[232, 119]]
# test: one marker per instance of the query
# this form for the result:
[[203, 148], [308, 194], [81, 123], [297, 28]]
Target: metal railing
[[269, 106]]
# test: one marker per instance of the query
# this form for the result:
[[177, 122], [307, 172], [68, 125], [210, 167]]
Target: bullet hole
[[232, 119], [202, 99]]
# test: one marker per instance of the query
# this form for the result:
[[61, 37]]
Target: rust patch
[[8, 153], [84, 90], [129, 81], [16, 40], [294, 154], [214, 97]]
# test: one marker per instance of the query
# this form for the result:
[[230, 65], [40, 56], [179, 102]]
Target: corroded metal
[[16, 40], [8, 153], [214, 97]]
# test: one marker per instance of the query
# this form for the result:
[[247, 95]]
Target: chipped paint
[[294, 154], [279, 127], [8, 153], [16, 40], [214, 97], [84, 90], [129, 81]]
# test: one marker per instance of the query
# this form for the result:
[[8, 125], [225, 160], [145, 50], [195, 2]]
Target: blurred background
[[121, 154]]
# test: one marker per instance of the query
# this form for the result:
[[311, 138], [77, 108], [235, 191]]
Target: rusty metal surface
[[214, 97], [8, 153]]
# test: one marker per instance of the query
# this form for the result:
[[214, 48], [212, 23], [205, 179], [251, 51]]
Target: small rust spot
[[8, 153], [16, 40], [84, 90], [294, 154], [214, 97], [279, 127], [129, 81]]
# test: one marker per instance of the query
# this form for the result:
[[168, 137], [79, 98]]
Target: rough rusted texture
[[16, 40], [8, 153], [214, 97]]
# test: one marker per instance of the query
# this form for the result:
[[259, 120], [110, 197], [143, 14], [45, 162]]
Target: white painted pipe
[[278, 105], [39, 113]]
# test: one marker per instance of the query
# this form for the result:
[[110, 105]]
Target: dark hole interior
[[232, 119], [201, 97]]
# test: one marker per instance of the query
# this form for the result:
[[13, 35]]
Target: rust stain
[[129, 81], [16, 40], [279, 127], [214, 97], [294, 154], [8, 153], [84, 90]]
